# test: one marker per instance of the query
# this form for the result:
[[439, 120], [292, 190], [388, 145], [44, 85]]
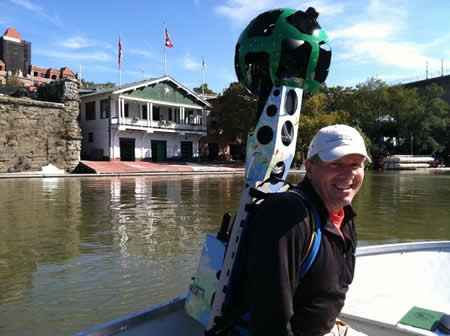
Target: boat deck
[[387, 286], [166, 319]]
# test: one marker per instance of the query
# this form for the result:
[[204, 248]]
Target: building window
[[53, 76], [190, 117], [35, 74], [127, 110], [104, 109], [42, 75], [90, 137], [156, 115], [144, 112], [90, 111]]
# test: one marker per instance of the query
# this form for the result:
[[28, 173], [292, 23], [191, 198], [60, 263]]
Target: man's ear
[[308, 167]]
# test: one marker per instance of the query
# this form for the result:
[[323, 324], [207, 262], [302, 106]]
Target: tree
[[205, 89], [368, 106], [13, 81], [97, 85], [238, 112], [315, 114], [430, 125]]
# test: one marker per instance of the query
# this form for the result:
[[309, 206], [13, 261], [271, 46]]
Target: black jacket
[[279, 302]]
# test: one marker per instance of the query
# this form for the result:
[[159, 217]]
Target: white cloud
[[140, 52], [376, 39], [324, 8], [240, 12], [190, 64], [76, 42], [79, 57], [404, 55], [38, 10], [364, 31], [386, 9], [28, 5], [440, 41]]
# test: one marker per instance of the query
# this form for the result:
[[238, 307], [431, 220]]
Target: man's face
[[338, 181]]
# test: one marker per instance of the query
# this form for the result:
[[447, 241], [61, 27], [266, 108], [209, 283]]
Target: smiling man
[[281, 299]]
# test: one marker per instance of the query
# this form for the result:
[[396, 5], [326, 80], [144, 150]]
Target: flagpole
[[165, 48], [120, 61], [203, 81]]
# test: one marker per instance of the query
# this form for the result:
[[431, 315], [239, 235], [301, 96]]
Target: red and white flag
[[120, 53], [168, 42]]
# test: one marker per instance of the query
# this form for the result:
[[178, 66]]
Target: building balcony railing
[[162, 125]]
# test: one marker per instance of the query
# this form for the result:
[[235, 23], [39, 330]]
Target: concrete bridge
[[442, 81]]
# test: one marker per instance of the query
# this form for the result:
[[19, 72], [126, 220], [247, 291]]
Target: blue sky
[[392, 40]]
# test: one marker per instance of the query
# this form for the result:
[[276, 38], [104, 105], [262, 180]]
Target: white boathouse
[[157, 120]]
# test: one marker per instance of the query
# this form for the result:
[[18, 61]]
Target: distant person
[[279, 301]]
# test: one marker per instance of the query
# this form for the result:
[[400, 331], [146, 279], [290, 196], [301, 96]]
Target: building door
[[159, 151], [127, 148], [213, 151], [186, 150]]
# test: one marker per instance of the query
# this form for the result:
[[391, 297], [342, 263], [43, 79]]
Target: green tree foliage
[[206, 89], [368, 105], [386, 116], [430, 126], [238, 109], [319, 111], [13, 81], [97, 85]]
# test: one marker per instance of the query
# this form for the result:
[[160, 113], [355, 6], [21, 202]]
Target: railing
[[157, 124]]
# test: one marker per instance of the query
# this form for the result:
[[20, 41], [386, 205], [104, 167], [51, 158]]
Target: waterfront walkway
[[111, 167], [123, 168]]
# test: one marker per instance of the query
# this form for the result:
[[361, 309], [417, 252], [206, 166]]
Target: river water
[[77, 252]]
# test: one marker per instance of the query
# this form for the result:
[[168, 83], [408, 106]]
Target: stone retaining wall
[[36, 133]]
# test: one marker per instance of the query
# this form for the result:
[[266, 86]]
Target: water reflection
[[77, 252], [397, 207]]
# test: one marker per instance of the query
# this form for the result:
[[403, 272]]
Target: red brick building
[[15, 60]]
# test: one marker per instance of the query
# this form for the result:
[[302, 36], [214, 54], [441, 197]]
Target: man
[[281, 303]]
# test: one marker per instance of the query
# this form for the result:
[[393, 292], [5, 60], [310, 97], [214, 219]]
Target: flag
[[120, 53], [168, 42], [203, 63]]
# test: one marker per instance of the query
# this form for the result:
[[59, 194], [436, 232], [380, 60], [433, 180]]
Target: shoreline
[[44, 175]]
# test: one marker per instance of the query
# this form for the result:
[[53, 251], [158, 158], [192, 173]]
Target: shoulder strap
[[316, 236]]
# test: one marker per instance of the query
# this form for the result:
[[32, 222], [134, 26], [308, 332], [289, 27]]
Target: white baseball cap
[[336, 141]]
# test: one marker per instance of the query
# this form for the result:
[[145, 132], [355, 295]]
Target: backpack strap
[[238, 320], [316, 236]]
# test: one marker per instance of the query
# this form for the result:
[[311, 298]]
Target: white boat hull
[[389, 280]]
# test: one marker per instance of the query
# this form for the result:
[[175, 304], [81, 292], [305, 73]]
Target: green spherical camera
[[283, 47]]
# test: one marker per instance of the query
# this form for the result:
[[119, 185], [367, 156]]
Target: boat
[[390, 281], [407, 162]]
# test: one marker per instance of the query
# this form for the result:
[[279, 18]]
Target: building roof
[[12, 33], [67, 71], [144, 83]]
